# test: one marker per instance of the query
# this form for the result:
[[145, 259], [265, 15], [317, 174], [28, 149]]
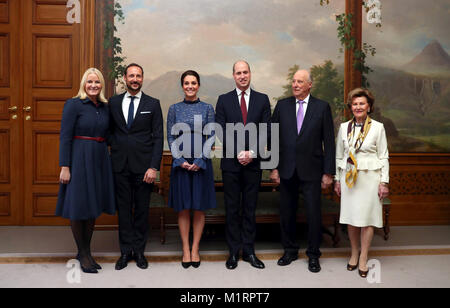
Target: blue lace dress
[[191, 189]]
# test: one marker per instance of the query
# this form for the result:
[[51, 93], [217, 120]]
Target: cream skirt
[[360, 205]]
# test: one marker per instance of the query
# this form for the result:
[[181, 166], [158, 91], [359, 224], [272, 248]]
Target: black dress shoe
[[314, 265], [186, 264], [195, 264], [254, 261], [232, 262], [123, 261], [141, 261], [287, 258]]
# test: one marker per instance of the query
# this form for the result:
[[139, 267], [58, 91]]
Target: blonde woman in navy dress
[[191, 179], [362, 176], [86, 189]]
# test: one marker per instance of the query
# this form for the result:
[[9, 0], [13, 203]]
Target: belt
[[98, 139]]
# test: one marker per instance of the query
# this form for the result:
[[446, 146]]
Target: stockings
[[82, 232]]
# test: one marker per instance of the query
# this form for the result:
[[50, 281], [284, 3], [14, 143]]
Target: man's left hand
[[150, 176], [327, 180]]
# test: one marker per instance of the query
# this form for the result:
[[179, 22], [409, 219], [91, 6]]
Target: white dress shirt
[[126, 104], [305, 105], [246, 96]]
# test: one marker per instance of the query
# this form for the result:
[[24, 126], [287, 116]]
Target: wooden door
[[56, 54], [11, 210]]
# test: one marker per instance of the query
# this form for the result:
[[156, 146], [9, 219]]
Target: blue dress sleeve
[[178, 160], [69, 118], [201, 162]]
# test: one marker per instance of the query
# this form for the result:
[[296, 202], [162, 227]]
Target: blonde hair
[[82, 92]]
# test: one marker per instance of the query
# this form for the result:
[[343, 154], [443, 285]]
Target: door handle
[[13, 109], [27, 108]]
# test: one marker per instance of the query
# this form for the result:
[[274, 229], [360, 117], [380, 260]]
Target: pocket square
[[145, 112]]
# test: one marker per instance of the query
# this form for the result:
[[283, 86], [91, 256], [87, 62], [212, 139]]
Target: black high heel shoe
[[185, 264], [95, 265], [351, 267], [88, 270], [195, 264], [363, 274]]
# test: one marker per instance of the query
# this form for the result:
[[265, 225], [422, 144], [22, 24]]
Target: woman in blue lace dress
[[191, 178]]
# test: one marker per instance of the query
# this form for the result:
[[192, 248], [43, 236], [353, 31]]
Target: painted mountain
[[413, 101], [432, 60]]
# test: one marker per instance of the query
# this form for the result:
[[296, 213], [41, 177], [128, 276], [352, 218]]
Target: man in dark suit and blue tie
[[307, 162], [241, 168], [136, 128]]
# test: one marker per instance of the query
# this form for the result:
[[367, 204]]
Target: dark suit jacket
[[142, 145], [312, 152], [228, 110]]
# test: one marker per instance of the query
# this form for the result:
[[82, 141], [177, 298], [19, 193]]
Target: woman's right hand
[[64, 176], [337, 188], [185, 165]]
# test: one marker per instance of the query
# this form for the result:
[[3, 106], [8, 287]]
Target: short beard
[[131, 89]]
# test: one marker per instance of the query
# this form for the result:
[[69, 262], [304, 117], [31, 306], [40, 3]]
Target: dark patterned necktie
[[131, 113]]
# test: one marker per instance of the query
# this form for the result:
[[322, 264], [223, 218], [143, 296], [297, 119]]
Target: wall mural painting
[[411, 67], [411, 74], [274, 36]]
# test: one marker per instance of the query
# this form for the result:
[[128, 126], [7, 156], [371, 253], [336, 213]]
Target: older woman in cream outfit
[[362, 176]]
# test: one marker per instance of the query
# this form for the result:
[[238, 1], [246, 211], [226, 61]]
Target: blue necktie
[[131, 112]]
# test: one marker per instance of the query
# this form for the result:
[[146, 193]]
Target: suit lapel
[[251, 107], [142, 102], [292, 115], [236, 105], [309, 112]]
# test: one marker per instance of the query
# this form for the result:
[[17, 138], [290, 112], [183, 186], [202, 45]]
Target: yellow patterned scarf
[[352, 164]]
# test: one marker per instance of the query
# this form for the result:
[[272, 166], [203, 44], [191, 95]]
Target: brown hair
[[190, 73], [360, 92]]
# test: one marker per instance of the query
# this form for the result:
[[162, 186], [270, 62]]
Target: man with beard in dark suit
[[136, 128]]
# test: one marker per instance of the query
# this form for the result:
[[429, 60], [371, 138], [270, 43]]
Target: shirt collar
[[239, 91], [306, 100], [138, 95]]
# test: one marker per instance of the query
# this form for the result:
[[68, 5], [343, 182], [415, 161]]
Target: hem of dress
[[183, 209], [360, 225]]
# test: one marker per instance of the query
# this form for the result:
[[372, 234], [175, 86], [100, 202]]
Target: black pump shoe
[[89, 270], [95, 265]]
